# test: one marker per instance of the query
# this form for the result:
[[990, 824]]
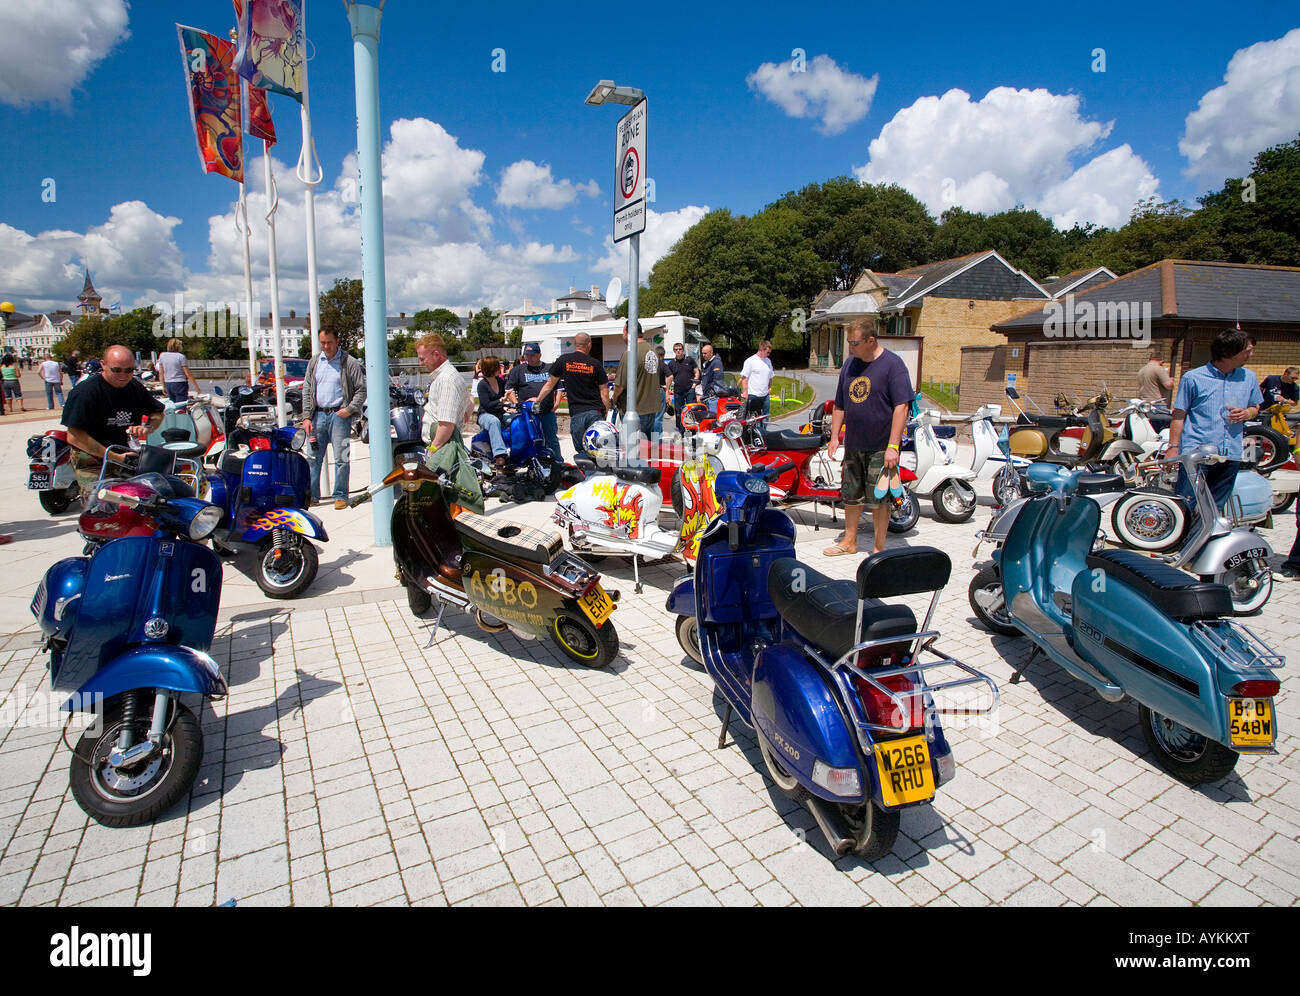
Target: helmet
[[93, 367], [600, 437]]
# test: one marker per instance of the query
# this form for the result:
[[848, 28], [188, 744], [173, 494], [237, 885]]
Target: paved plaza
[[350, 765]]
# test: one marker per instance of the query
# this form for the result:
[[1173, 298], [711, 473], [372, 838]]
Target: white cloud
[[1102, 192], [528, 184], [1257, 106], [821, 90], [535, 252], [1013, 147], [663, 229], [132, 257], [48, 49]]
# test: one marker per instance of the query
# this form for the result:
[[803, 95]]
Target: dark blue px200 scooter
[[265, 491], [831, 680], [128, 627]]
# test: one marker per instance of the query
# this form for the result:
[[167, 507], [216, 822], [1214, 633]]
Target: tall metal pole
[[250, 320], [632, 424], [310, 173], [277, 348], [365, 52]]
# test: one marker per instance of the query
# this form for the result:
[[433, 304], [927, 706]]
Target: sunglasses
[[120, 370]]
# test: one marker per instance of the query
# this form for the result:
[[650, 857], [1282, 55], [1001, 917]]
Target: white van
[[607, 336]]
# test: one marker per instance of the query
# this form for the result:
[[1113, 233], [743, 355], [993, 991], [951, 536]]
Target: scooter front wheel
[[1184, 753], [287, 572], [583, 642], [688, 635], [954, 503], [131, 796]]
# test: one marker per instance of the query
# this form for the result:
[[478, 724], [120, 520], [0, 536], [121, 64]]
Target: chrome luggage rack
[[1248, 651]]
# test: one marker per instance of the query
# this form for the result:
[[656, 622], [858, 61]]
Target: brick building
[[1102, 334]]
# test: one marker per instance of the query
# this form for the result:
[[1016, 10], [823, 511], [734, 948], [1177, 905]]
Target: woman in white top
[[174, 372]]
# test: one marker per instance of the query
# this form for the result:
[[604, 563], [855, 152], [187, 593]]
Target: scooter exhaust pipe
[[832, 827]]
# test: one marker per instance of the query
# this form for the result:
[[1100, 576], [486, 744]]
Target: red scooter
[[50, 472]]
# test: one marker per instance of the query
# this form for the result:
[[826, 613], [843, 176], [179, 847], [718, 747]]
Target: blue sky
[[490, 192]]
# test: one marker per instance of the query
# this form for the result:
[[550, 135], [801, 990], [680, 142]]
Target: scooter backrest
[[903, 571], [155, 460]]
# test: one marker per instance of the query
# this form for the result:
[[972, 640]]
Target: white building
[[576, 306]]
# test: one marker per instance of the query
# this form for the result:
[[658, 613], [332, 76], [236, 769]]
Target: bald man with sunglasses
[[108, 410]]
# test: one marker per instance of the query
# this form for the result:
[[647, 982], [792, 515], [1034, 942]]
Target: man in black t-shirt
[[1281, 387], [524, 383], [683, 370], [107, 410], [585, 385]]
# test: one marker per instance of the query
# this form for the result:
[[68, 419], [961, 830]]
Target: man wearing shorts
[[871, 402]]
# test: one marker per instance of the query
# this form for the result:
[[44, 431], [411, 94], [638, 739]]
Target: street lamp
[[606, 91], [7, 307]]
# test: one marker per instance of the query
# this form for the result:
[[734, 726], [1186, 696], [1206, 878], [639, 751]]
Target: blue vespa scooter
[[832, 681], [1127, 625], [128, 627], [532, 471], [263, 483]]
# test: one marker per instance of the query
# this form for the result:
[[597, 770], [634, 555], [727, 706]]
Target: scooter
[[50, 472], [1076, 439], [507, 575], [1126, 625], [834, 683], [190, 427], [405, 421], [265, 491], [128, 628], [531, 472]]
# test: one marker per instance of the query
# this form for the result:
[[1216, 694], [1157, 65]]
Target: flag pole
[[250, 321], [310, 173], [277, 348]]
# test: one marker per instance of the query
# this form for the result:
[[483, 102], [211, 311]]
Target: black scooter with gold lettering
[[508, 575]]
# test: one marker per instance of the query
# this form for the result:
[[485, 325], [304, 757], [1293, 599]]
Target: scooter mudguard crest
[[801, 720], [174, 668], [293, 519]]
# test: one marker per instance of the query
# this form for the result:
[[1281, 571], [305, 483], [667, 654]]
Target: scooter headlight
[[298, 441], [733, 430], [205, 520], [839, 781]]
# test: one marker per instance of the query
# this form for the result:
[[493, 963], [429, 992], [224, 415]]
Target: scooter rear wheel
[[581, 641], [417, 599], [875, 830], [1245, 600], [785, 782], [1182, 752], [128, 797], [56, 501]]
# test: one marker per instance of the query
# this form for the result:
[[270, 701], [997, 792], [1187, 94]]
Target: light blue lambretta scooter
[[833, 681], [1128, 625]]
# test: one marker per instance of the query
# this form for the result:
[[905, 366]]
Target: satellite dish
[[613, 293]]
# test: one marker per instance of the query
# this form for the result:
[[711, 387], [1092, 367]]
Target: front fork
[[129, 752]]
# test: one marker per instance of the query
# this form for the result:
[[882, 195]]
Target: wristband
[[893, 446]]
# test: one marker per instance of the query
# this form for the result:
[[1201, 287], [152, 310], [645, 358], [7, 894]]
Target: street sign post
[[629, 179]]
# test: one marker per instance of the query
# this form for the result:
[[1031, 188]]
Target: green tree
[[342, 312], [1257, 219], [1156, 230], [401, 345], [441, 320], [1025, 239], [484, 329]]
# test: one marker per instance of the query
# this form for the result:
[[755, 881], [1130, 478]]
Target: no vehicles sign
[[629, 178]]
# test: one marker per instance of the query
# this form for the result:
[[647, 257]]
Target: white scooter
[[615, 511], [932, 472]]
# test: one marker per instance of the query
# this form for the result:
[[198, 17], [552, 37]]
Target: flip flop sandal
[[882, 484], [836, 551], [895, 484]]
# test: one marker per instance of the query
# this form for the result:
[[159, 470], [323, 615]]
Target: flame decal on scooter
[[620, 510], [278, 518], [699, 506]]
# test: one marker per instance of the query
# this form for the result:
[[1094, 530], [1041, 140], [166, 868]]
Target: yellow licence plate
[[905, 771], [1250, 722], [597, 605]]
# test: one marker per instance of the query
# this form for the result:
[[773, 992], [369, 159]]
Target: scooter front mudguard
[[681, 600], [795, 710], [157, 665], [294, 519], [55, 603]]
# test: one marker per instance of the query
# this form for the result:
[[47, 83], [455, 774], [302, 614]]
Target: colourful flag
[[214, 101], [272, 45], [257, 113]]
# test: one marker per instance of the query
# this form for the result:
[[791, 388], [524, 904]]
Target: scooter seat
[[824, 611], [1097, 484], [788, 439], [1053, 421], [232, 462], [510, 539], [637, 475], [1177, 595]]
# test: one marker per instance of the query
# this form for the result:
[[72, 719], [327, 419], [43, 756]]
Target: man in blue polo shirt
[[1213, 405]]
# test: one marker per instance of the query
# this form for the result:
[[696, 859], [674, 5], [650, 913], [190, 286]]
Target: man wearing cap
[[525, 383]]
